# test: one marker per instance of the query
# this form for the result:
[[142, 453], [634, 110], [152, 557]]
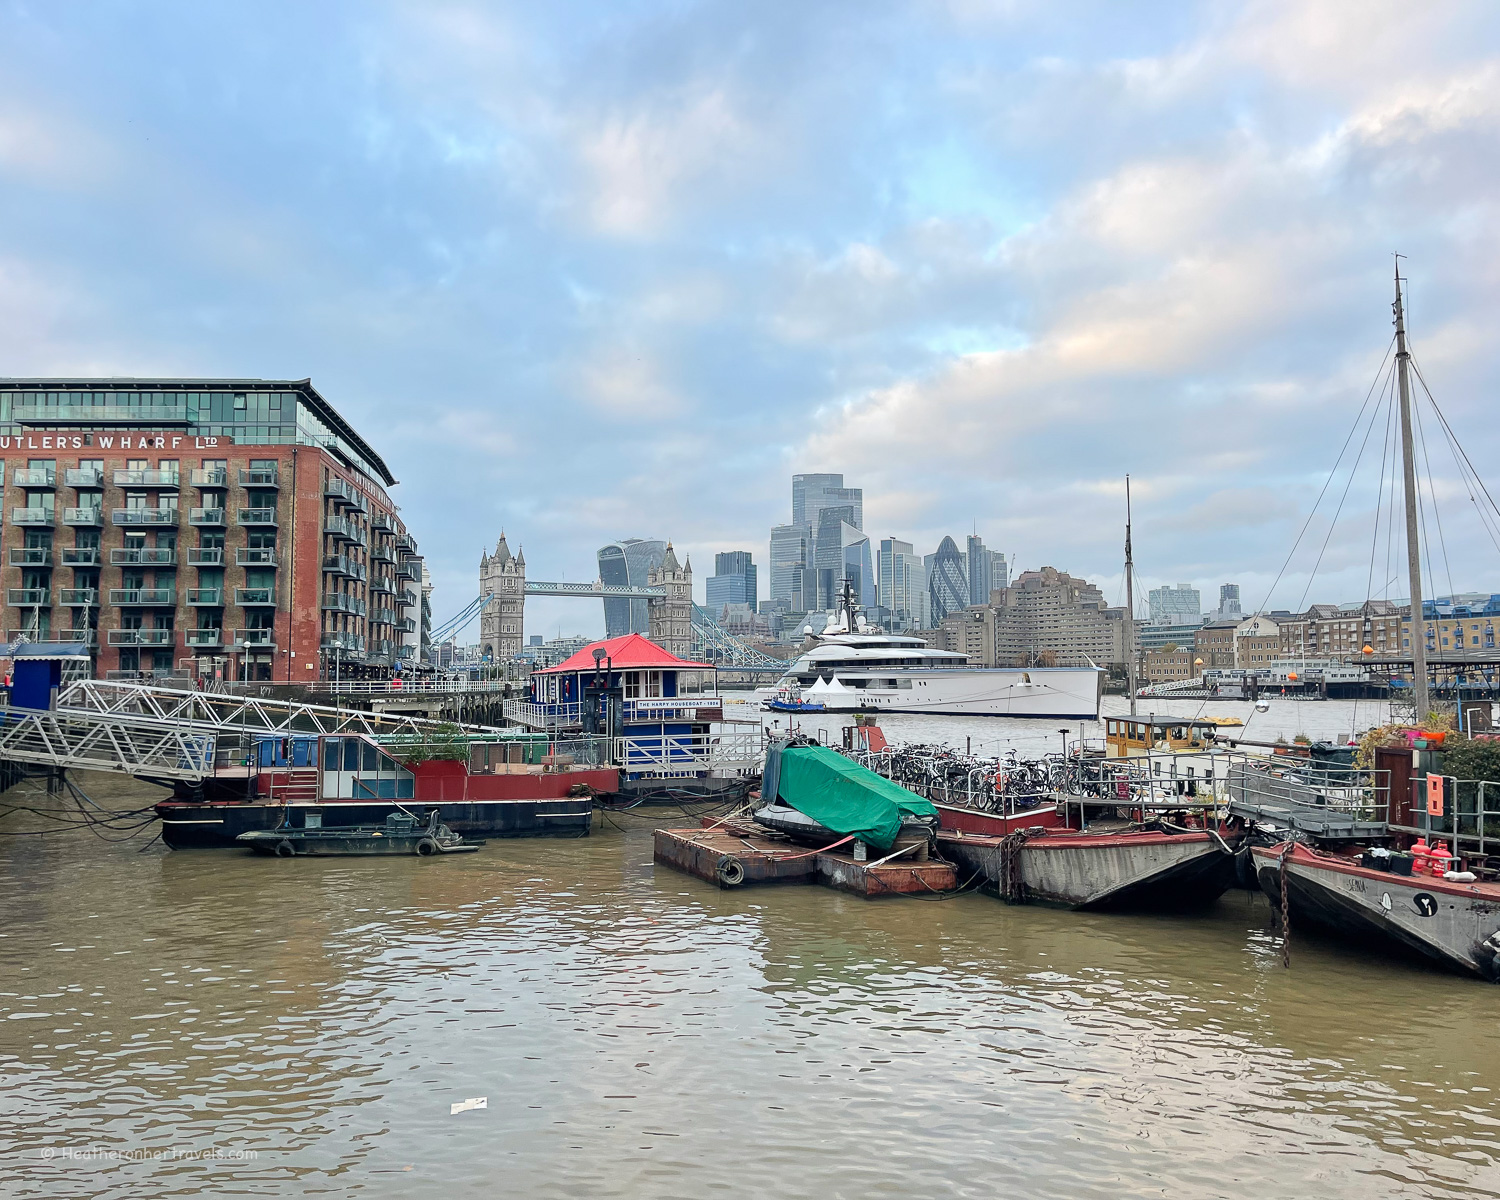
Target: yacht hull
[[1054, 693]]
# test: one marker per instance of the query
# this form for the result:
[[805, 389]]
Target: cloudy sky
[[587, 271]]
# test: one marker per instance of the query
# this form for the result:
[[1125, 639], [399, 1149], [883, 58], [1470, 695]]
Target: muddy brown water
[[212, 1023]]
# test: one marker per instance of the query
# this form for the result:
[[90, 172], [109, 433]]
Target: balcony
[[203, 639], [383, 616], [341, 491], [140, 637], [144, 556], [406, 625], [207, 516], [88, 637], [248, 597], [338, 602], [255, 639], [255, 556], [381, 585], [342, 564], [342, 527], [28, 597], [404, 542], [84, 477], [144, 516], [259, 477], [76, 597], [209, 477], [31, 556], [408, 570], [205, 556], [205, 597], [34, 477], [147, 479], [349, 643], [383, 522], [408, 599], [87, 518], [257, 516], [142, 596], [80, 556], [32, 517], [382, 552]]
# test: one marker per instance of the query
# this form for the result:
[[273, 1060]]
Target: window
[[632, 685], [653, 684]]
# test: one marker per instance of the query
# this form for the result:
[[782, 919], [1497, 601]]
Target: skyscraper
[[902, 584], [829, 548], [790, 545], [999, 571], [629, 563], [733, 580], [977, 562], [1175, 606], [947, 585], [814, 498], [1229, 600]]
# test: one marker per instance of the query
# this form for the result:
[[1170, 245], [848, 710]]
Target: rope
[[1012, 886]]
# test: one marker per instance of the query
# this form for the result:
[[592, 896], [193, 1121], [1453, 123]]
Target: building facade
[[1180, 605], [1257, 642], [236, 528], [947, 585], [1167, 666], [979, 567], [902, 584], [502, 576], [733, 580], [628, 563], [1049, 615], [789, 565]]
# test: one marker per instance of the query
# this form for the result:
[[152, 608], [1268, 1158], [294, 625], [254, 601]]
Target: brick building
[[1168, 666], [232, 527]]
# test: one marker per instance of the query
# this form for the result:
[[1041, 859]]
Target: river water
[[213, 1023]]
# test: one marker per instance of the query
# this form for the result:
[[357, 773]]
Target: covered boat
[[815, 793]]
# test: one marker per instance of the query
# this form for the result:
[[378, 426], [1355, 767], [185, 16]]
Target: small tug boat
[[399, 835]]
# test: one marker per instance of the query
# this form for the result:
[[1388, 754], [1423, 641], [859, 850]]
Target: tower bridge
[[676, 623]]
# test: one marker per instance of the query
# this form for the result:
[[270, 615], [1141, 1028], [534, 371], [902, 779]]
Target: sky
[[590, 271]]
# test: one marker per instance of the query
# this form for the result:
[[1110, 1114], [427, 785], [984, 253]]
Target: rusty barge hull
[[1452, 925], [735, 856], [1101, 871]]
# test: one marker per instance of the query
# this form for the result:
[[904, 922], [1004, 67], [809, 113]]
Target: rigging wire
[[1380, 373]]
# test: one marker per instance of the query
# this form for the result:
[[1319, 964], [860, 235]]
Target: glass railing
[[133, 596], [255, 556], [31, 556], [257, 516], [34, 477], [80, 597], [206, 556], [31, 516], [144, 556], [209, 477], [134, 477], [139, 637], [203, 637], [206, 516], [83, 516], [144, 516], [80, 556], [254, 595], [259, 477], [208, 596], [28, 597], [84, 477], [254, 637]]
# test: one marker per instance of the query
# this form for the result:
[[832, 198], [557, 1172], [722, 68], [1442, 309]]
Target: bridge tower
[[672, 614], [502, 575]]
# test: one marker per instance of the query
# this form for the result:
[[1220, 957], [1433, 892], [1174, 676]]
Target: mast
[[1129, 604], [1413, 546]]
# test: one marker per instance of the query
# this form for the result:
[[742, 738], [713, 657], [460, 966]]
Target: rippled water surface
[[638, 1033]]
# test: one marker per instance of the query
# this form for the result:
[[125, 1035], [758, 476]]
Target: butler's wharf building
[[237, 528]]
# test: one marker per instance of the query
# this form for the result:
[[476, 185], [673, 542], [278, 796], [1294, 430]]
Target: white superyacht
[[854, 667]]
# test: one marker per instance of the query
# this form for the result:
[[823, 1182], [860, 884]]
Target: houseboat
[[489, 786], [662, 715]]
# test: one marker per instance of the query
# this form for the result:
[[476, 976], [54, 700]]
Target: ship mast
[[1129, 604], [1413, 546]]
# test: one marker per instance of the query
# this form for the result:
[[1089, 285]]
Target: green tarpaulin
[[846, 797]]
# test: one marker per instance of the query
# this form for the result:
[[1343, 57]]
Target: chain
[[1286, 926]]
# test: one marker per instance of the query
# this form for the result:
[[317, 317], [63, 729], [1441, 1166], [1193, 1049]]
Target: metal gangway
[[169, 734]]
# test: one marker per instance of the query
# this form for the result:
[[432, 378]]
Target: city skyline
[[684, 239]]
